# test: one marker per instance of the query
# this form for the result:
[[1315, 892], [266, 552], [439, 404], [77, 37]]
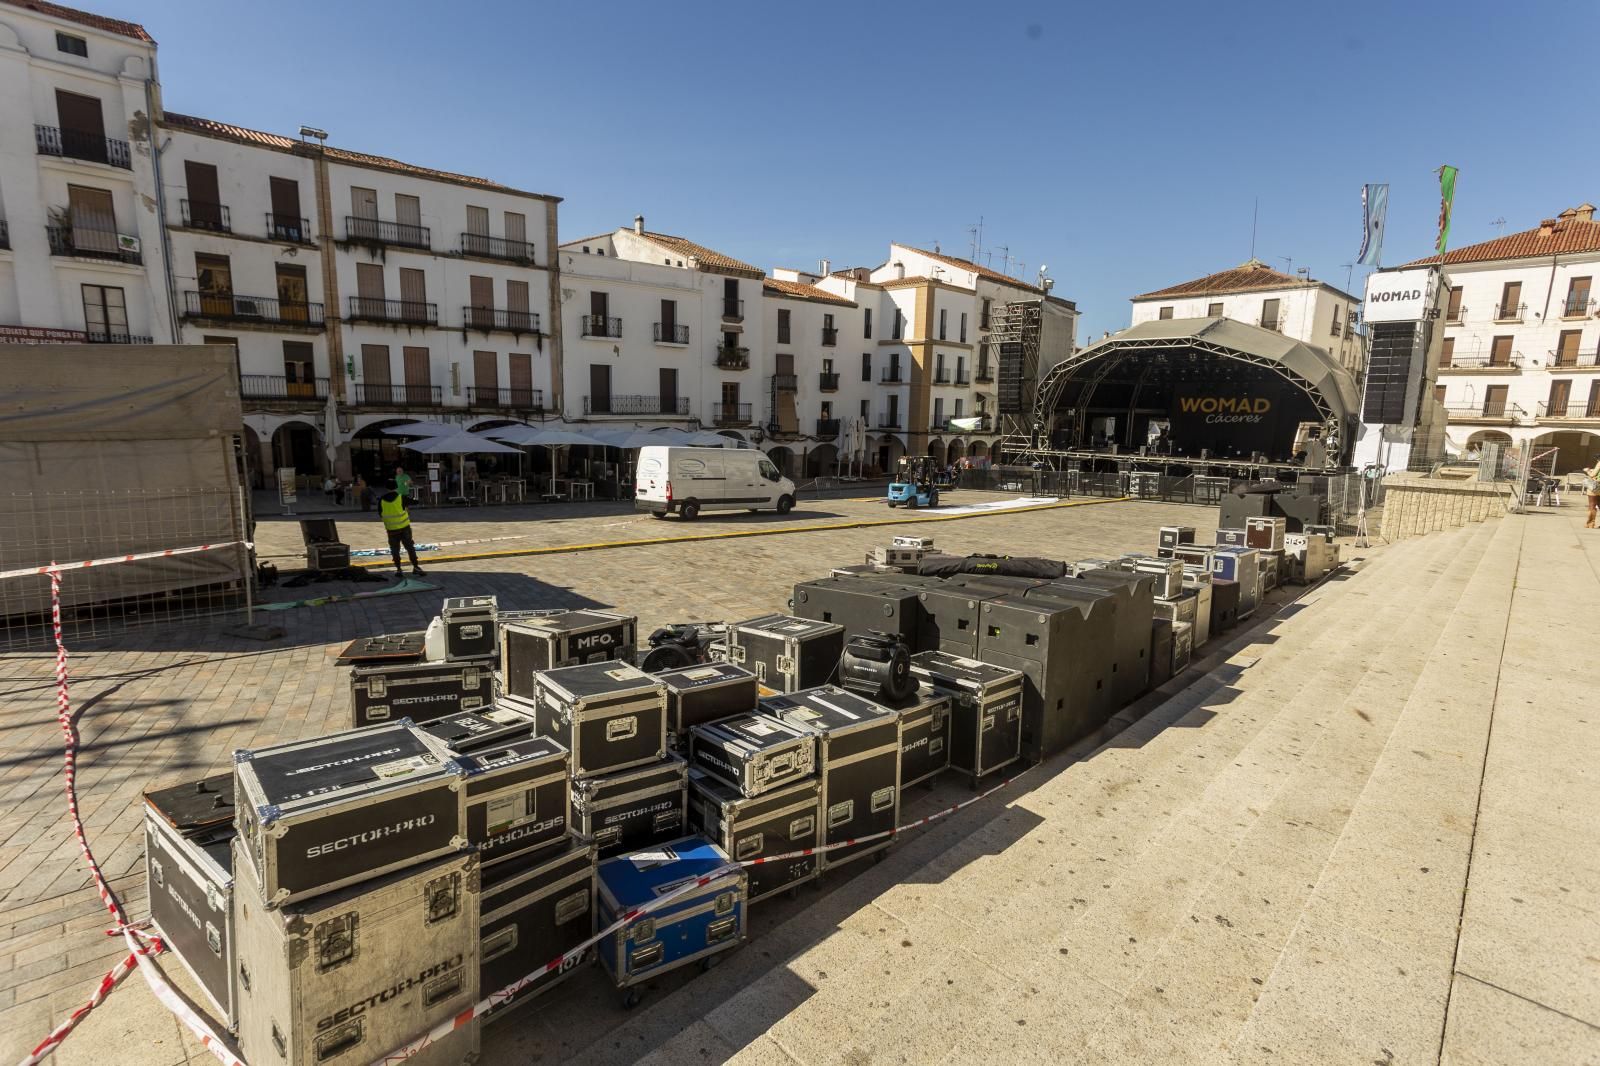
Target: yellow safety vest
[[394, 513]]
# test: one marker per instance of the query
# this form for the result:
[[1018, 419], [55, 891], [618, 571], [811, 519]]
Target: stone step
[[1366, 972]]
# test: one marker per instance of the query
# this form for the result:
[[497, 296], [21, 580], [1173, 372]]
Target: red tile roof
[[713, 261], [85, 18], [1246, 277], [1559, 236], [225, 131], [800, 291], [976, 268]]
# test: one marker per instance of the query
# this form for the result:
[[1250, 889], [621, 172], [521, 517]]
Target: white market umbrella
[[460, 444], [708, 438], [637, 438], [422, 429]]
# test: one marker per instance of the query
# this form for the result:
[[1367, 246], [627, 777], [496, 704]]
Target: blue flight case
[[695, 927]]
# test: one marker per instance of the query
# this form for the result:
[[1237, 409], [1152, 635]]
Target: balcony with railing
[[828, 382], [1578, 305], [199, 214], [91, 242], [1480, 364], [732, 309], [733, 358], [600, 326], [502, 248], [1571, 360], [963, 378], [1509, 313], [730, 414], [231, 307], [830, 338], [1454, 316], [635, 405], [984, 375], [288, 228], [499, 319], [364, 230], [278, 389], [941, 376], [105, 336], [1497, 412], [889, 420], [400, 312], [1567, 411], [5, 234], [81, 144], [671, 333], [374, 394], [827, 428], [493, 398], [892, 375], [785, 383]]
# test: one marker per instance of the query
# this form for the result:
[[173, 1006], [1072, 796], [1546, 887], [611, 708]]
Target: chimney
[[638, 224], [899, 270], [824, 267], [1547, 227], [1585, 212]]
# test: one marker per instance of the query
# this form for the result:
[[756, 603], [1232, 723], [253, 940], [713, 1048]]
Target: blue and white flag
[[1374, 208]]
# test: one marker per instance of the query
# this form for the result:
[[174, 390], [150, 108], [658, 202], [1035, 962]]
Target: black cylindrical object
[[878, 666]]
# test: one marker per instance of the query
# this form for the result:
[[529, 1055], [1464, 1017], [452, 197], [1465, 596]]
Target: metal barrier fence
[[194, 561]]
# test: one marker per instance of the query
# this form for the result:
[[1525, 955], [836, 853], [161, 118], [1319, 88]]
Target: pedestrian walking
[[1591, 489], [397, 523], [363, 493], [402, 483]]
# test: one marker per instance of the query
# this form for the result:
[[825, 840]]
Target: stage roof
[[1305, 361]]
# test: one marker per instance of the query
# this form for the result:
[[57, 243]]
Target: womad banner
[[1228, 423]]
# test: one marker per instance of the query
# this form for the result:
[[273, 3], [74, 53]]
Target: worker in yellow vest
[[397, 523]]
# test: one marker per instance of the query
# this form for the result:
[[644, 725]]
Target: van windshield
[[769, 471]]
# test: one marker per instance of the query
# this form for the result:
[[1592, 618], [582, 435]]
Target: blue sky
[[1122, 144]]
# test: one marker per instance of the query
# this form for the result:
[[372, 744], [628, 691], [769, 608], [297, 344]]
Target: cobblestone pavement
[[161, 706]]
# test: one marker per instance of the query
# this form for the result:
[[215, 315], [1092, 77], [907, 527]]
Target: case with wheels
[[516, 798], [779, 822], [565, 639], [535, 909], [787, 653], [753, 753], [420, 691], [609, 715], [986, 710], [924, 736], [707, 692], [469, 627], [631, 808], [471, 730], [693, 927]]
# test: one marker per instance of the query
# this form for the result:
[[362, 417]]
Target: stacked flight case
[[535, 909], [858, 764], [420, 691], [569, 638], [985, 713], [865, 605], [705, 692], [786, 653], [781, 821], [925, 722]]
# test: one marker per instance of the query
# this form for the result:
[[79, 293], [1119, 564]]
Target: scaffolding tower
[[1014, 330]]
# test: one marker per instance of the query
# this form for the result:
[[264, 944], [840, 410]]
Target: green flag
[[1447, 195]]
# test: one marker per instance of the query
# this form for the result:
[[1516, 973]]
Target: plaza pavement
[[1366, 835]]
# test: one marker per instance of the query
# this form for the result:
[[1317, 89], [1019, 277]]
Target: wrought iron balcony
[[102, 336], [275, 388], [732, 309], [287, 228], [601, 326], [733, 358], [941, 377], [91, 243], [984, 375], [404, 312], [892, 376], [1484, 362], [380, 231], [1487, 411], [1510, 312], [889, 421], [668, 333], [731, 414], [635, 405], [498, 318], [784, 383], [79, 144], [387, 395], [503, 248], [198, 214], [1577, 305], [963, 378], [235, 308], [505, 399], [828, 382], [1566, 412], [1456, 316], [830, 337], [827, 428], [5, 234], [1560, 360]]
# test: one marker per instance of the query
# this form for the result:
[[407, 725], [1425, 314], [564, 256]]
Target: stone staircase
[[1267, 867]]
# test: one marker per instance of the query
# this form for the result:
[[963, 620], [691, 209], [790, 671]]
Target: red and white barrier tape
[[140, 945], [57, 568], [478, 1009]]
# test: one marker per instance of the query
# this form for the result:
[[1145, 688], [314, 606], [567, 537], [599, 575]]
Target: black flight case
[[779, 822], [986, 710], [858, 762], [705, 692], [470, 730], [786, 653], [469, 630], [753, 753], [633, 808], [609, 715], [517, 797], [535, 909], [865, 605], [565, 639], [925, 721], [420, 691]]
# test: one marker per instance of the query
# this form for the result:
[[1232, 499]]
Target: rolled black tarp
[[1005, 565]]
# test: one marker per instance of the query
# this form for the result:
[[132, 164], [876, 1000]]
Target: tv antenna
[[1349, 275], [1499, 225], [977, 237], [1289, 260]]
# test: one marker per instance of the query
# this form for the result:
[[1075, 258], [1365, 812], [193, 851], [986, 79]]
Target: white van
[[691, 480]]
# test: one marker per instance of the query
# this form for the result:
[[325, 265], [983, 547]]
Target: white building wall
[[1305, 313]]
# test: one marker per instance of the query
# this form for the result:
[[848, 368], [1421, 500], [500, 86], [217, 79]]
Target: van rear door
[[650, 477]]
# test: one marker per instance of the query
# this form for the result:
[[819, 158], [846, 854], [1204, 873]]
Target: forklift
[[913, 483]]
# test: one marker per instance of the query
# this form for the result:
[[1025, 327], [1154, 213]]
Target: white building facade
[[80, 222], [1300, 307], [1521, 357]]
